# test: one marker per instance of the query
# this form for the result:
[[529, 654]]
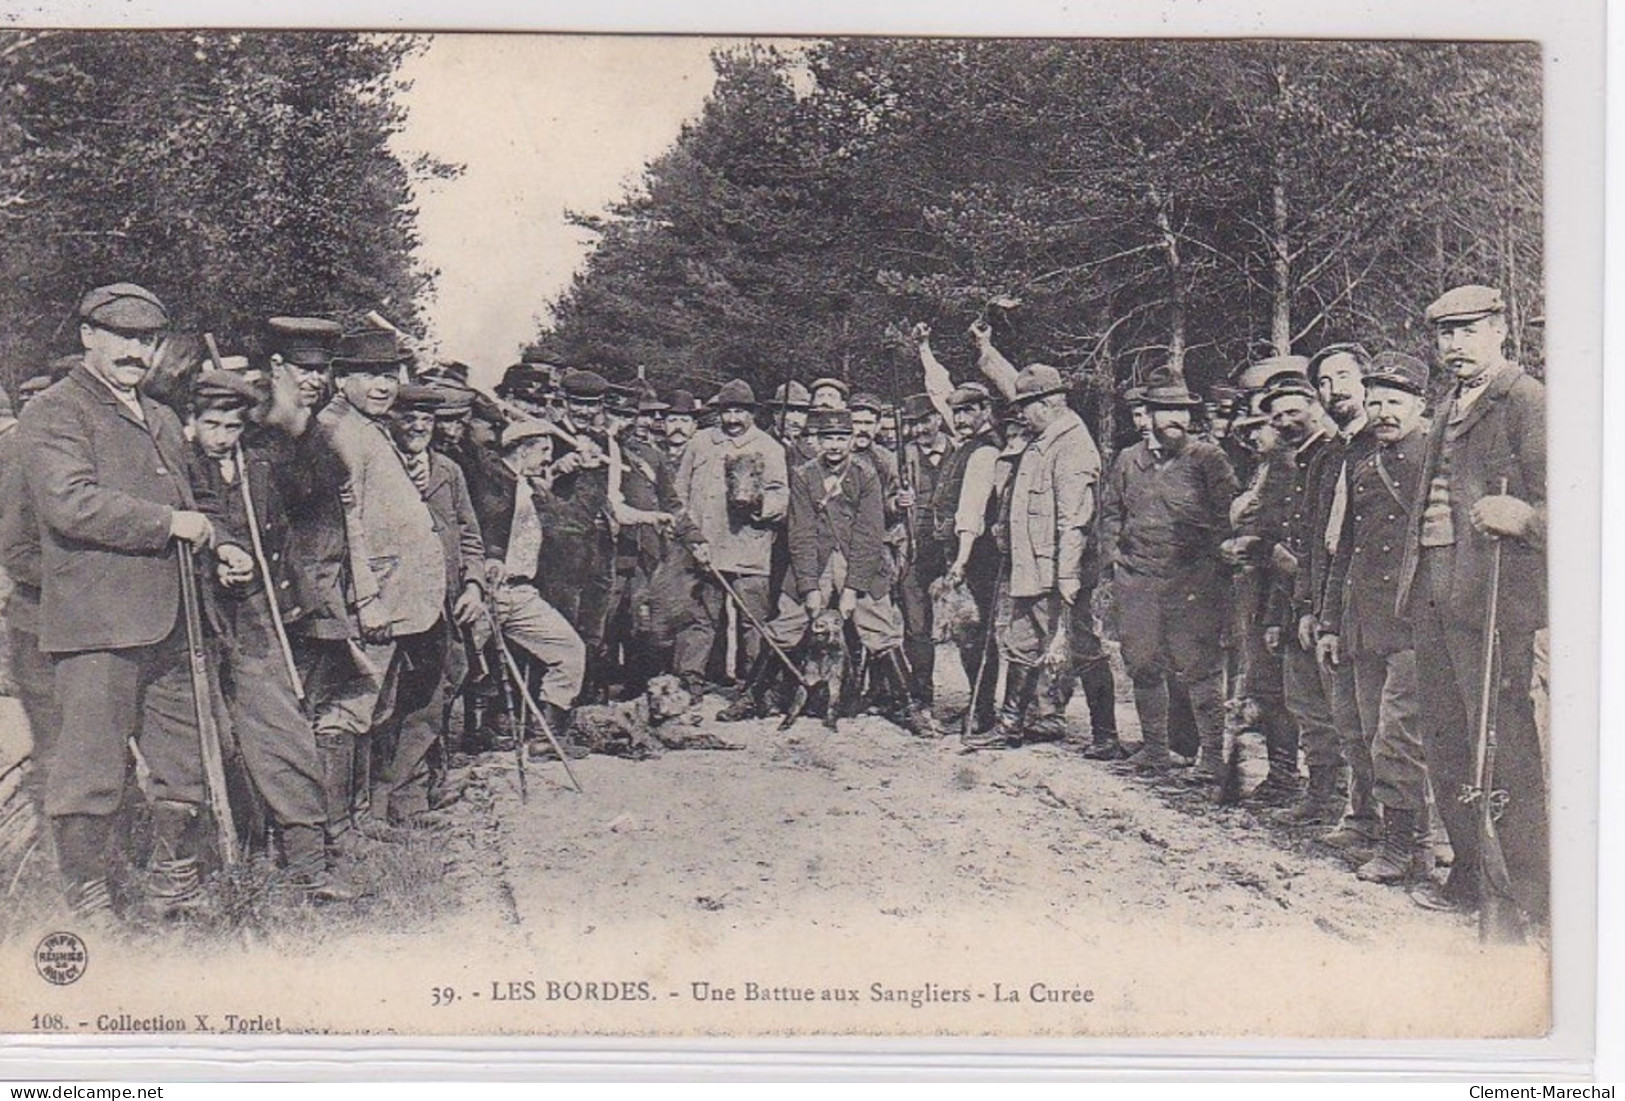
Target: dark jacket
[[1363, 578], [1161, 518], [106, 487], [1502, 435], [851, 520], [19, 537], [283, 475], [1286, 517], [456, 524], [1325, 471]]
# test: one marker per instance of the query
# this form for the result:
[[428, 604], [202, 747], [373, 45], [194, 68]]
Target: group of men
[[377, 539]]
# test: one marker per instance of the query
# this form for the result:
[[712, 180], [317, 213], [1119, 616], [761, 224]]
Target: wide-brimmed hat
[[792, 395], [735, 393], [1165, 389], [683, 404], [918, 407], [1038, 380]]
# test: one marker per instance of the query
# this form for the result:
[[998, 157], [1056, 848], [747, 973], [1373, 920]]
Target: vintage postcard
[[545, 535]]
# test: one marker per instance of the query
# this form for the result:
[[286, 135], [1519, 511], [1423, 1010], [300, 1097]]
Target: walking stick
[[1498, 916], [258, 546], [757, 625], [967, 728], [517, 678], [214, 769]]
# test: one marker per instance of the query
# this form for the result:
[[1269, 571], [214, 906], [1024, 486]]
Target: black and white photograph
[[526, 535]]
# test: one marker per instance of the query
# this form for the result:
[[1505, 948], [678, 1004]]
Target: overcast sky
[[542, 124]]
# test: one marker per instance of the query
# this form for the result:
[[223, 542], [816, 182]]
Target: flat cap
[[368, 348], [833, 383], [863, 399], [225, 389], [124, 306], [417, 397], [455, 400], [1038, 380], [451, 368], [735, 392], [522, 379], [1399, 371], [581, 385], [918, 407], [792, 395], [1261, 373], [519, 431], [1288, 385], [305, 341], [1465, 303], [969, 393], [829, 422], [682, 404]]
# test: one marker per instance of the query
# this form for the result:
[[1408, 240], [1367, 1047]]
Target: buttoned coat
[[1502, 435], [456, 523], [105, 487], [1363, 578], [851, 519], [1052, 505]]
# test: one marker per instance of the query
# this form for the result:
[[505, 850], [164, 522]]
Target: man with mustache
[[1293, 406], [1165, 511], [1483, 484], [1337, 372], [105, 471], [732, 537], [1362, 635]]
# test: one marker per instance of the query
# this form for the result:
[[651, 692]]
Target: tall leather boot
[[560, 720], [1399, 858], [1020, 686], [1100, 693], [914, 711], [309, 868], [337, 754], [1321, 803], [81, 855], [1151, 701], [751, 703], [1360, 828], [1207, 708], [174, 876], [1280, 787]]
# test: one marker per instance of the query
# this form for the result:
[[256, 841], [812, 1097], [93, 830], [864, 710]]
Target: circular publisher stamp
[[61, 958]]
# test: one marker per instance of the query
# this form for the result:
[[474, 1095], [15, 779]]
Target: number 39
[[442, 995]]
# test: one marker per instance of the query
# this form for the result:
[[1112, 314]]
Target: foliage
[[236, 175], [1147, 201]]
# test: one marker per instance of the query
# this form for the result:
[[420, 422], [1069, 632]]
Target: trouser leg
[[401, 780], [273, 732], [536, 627], [343, 697], [918, 647], [694, 641], [35, 680]]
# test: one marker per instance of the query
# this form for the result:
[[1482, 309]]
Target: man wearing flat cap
[[1482, 489], [401, 744], [643, 497], [578, 563], [1360, 632], [1051, 504], [1165, 511], [1285, 522], [734, 492], [243, 474], [105, 470]]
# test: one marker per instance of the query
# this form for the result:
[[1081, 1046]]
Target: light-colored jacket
[[1052, 500], [739, 544], [395, 552]]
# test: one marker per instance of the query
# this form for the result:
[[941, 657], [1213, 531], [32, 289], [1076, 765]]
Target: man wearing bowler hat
[[1482, 487], [680, 425], [105, 469], [377, 598], [1165, 511]]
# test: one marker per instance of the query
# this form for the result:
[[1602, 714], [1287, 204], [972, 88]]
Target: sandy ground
[[858, 882]]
